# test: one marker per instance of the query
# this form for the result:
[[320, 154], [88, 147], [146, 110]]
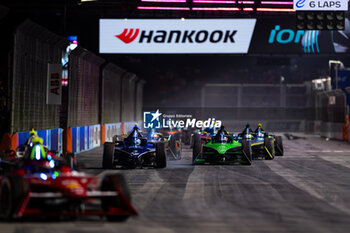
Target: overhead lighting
[[275, 9], [212, 1], [246, 2], [276, 3], [163, 8], [170, 1], [216, 9]]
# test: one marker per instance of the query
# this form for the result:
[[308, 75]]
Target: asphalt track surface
[[307, 190]]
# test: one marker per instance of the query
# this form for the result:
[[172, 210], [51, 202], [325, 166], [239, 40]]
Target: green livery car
[[221, 149]]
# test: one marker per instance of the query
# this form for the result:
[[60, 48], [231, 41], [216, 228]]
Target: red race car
[[41, 185]]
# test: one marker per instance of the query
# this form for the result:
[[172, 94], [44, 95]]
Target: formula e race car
[[263, 145], [221, 149], [38, 185], [172, 140], [277, 140], [134, 151]]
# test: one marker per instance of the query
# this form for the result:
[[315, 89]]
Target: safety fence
[[96, 100], [112, 129], [279, 107], [34, 48], [330, 114], [83, 88]]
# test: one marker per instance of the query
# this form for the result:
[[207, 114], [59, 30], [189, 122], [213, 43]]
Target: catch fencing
[[100, 100], [83, 94], [34, 48], [112, 89], [330, 112], [279, 107]]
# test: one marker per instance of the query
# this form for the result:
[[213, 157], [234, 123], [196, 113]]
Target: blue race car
[[134, 151], [263, 145]]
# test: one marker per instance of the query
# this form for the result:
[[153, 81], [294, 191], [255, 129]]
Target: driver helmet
[[247, 131], [247, 127], [153, 134], [260, 133], [135, 135], [222, 134], [38, 151], [32, 133]]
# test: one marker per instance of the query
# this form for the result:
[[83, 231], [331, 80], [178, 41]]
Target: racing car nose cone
[[221, 149], [135, 152]]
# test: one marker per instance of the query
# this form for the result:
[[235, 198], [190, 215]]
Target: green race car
[[221, 149], [264, 145]]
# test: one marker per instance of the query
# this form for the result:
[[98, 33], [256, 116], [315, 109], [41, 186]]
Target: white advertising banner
[[320, 5], [54, 84], [157, 36]]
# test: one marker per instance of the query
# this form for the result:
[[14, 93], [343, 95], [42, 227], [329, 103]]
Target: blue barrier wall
[[52, 138], [85, 138]]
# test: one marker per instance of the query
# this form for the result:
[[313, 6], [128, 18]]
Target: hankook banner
[[218, 36], [190, 36]]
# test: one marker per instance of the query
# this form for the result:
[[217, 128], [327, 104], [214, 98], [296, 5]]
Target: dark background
[[171, 77]]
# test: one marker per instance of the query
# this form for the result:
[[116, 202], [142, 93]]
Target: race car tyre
[[195, 138], [179, 149], [186, 137], [108, 155], [178, 145], [70, 160], [175, 147], [177, 136], [113, 183], [12, 194], [197, 147], [160, 155], [269, 149], [279, 146], [247, 153]]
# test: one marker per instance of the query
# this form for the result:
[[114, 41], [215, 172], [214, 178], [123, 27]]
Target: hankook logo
[[174, 36], [128, 36], [177, 36]]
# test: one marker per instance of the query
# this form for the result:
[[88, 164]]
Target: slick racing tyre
[[160, 156], [279, 146], [108, 155], [247, 153], [186, 137], [178, 145], [70, 160], [194, 139], [269, 148], [113, 183], [197, 148], [175, 147], [13, 191]]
